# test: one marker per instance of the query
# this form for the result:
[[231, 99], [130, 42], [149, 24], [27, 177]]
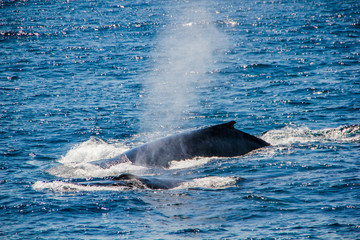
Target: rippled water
[[86, 80]]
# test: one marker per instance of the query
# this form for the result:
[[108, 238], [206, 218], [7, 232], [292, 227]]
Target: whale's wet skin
[[217, 141]]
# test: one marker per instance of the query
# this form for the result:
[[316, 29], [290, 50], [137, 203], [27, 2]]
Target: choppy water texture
[[86, 80]]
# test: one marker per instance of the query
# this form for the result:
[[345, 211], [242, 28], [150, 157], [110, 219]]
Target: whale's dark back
[[220, 140]]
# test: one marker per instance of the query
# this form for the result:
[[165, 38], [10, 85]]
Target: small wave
[[210, 183], [76, 162], [190, 163], [292, 135], [25, 33], [60, 186], [227, 22], [91, 150], [20, 33], [88, 170]]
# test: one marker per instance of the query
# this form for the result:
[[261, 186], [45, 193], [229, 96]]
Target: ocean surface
[[86, 80]]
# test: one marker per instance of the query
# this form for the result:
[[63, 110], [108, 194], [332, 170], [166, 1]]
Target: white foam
[[291, 135], [209, 182], [88, 170], [190, 163], [76, 162], [91, 150], [59, 186]]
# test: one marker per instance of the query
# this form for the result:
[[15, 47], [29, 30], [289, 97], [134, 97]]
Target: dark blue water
[[86, 80]]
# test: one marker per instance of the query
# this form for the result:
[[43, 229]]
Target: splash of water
[[76, 162]]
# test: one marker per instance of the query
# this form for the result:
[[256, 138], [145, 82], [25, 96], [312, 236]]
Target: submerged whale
[[132, 182], [221, 140]]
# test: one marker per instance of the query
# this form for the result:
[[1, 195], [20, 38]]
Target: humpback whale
[[132, 182], [222, 140]]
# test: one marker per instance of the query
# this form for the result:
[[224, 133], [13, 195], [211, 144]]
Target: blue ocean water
[[86, 80]]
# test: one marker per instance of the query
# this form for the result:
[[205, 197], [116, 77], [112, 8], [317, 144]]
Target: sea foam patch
[[291, 135], [213, 182], [190, 163], [62, 186], [77, 161], [91, 150]]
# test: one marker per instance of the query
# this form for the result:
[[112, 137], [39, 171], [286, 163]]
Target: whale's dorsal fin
[[229, 125]]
